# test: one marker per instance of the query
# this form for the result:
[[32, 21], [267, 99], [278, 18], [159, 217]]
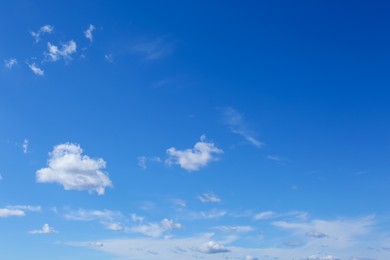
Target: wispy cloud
[[265, 215], [239, 229], [25, 146], [46, 229], [237, 125], [156, 229], [74, 171], [88, 33], [10, 63], [35, 69], [6, 212], [46, 29], [193, 159], [153, 49], [109, 219], [211, 214], [209, 197], [65, 52]]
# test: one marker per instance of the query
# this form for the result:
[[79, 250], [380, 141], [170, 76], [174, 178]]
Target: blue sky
[[185, 130]]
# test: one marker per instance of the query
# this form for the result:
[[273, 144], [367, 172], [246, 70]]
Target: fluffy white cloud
[[209, 197], [89, 32], [67, 49], [193, 159], [265, 215], [46, 229], [136, 218], [156, 229], [238, 126], [68, 167], [239, 229], [35, 69], [4, 213], [46, 29], [212, 247], [10, 63]]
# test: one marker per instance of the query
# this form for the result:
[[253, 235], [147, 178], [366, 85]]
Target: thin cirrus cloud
[[238, 229], [9, 63], [46, 29], [193, 159], [265, 215], [209, 197], [153, 49], [46, 229], [54, 53], [237, 125], [74, 171]]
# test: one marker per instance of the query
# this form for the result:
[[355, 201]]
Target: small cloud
[[212, 247], [315, 234], [109, 58], [10, 63], [193, 159], [95, 244], [209, 197], [239, 229], [237, 125], [265, 215], [1, 177], [292, 243], [74, 171], [249, 257], [156, 229], [136, 218], [35, 69], [114, 226], [46, 229], [26, 208], [89, 33], [25, 146], [181, 203], [212, 214], [46, 29], [6, 212], [142, 161], [54, 53], [153, 49], [322, 257]]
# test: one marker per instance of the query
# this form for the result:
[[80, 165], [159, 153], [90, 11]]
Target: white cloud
[[156, 229], [315, 234], [249, 257], [207, 214], [136, 218], [10, 63], [239, 229], [180, 203], [90, 215], [321, 257], [89, 32], [25, 146], [6, 212], [153, 49], [46, 229], [26, 208], [1, 177], [265, 215], [193, 159], [109, 58], [212, 247], [114, 226], [142, 162], [35, 69], [238, 126], [209, 197], [46, 29], [67, 49], [68, 167]]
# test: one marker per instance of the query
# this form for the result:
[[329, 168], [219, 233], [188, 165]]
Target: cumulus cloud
[[212, 247], [73, 170], [35, 69], [65, 52], [46, 229], [6, 212], [237, 125], [156, 229], [88, 33], [193, 159], [10, 63], [209, 197], [46, 29]]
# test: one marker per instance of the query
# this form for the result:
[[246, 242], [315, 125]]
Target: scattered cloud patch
[[55, 53], [321, 257], [142, 162], [265, 215], [237, 125], [180, 203], [35, 69], [46, 229], [114, 227], [212, 247], [249, 257], [10, 63], [209, 197], [315, 234], [156, 229], [6, 212], [238, 229], [73, 170], [109, 219], [25, 146], [212, 214], [136, 218], [193, 159], [88, 33], [26, 208], [153, 49], [46, 29]]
